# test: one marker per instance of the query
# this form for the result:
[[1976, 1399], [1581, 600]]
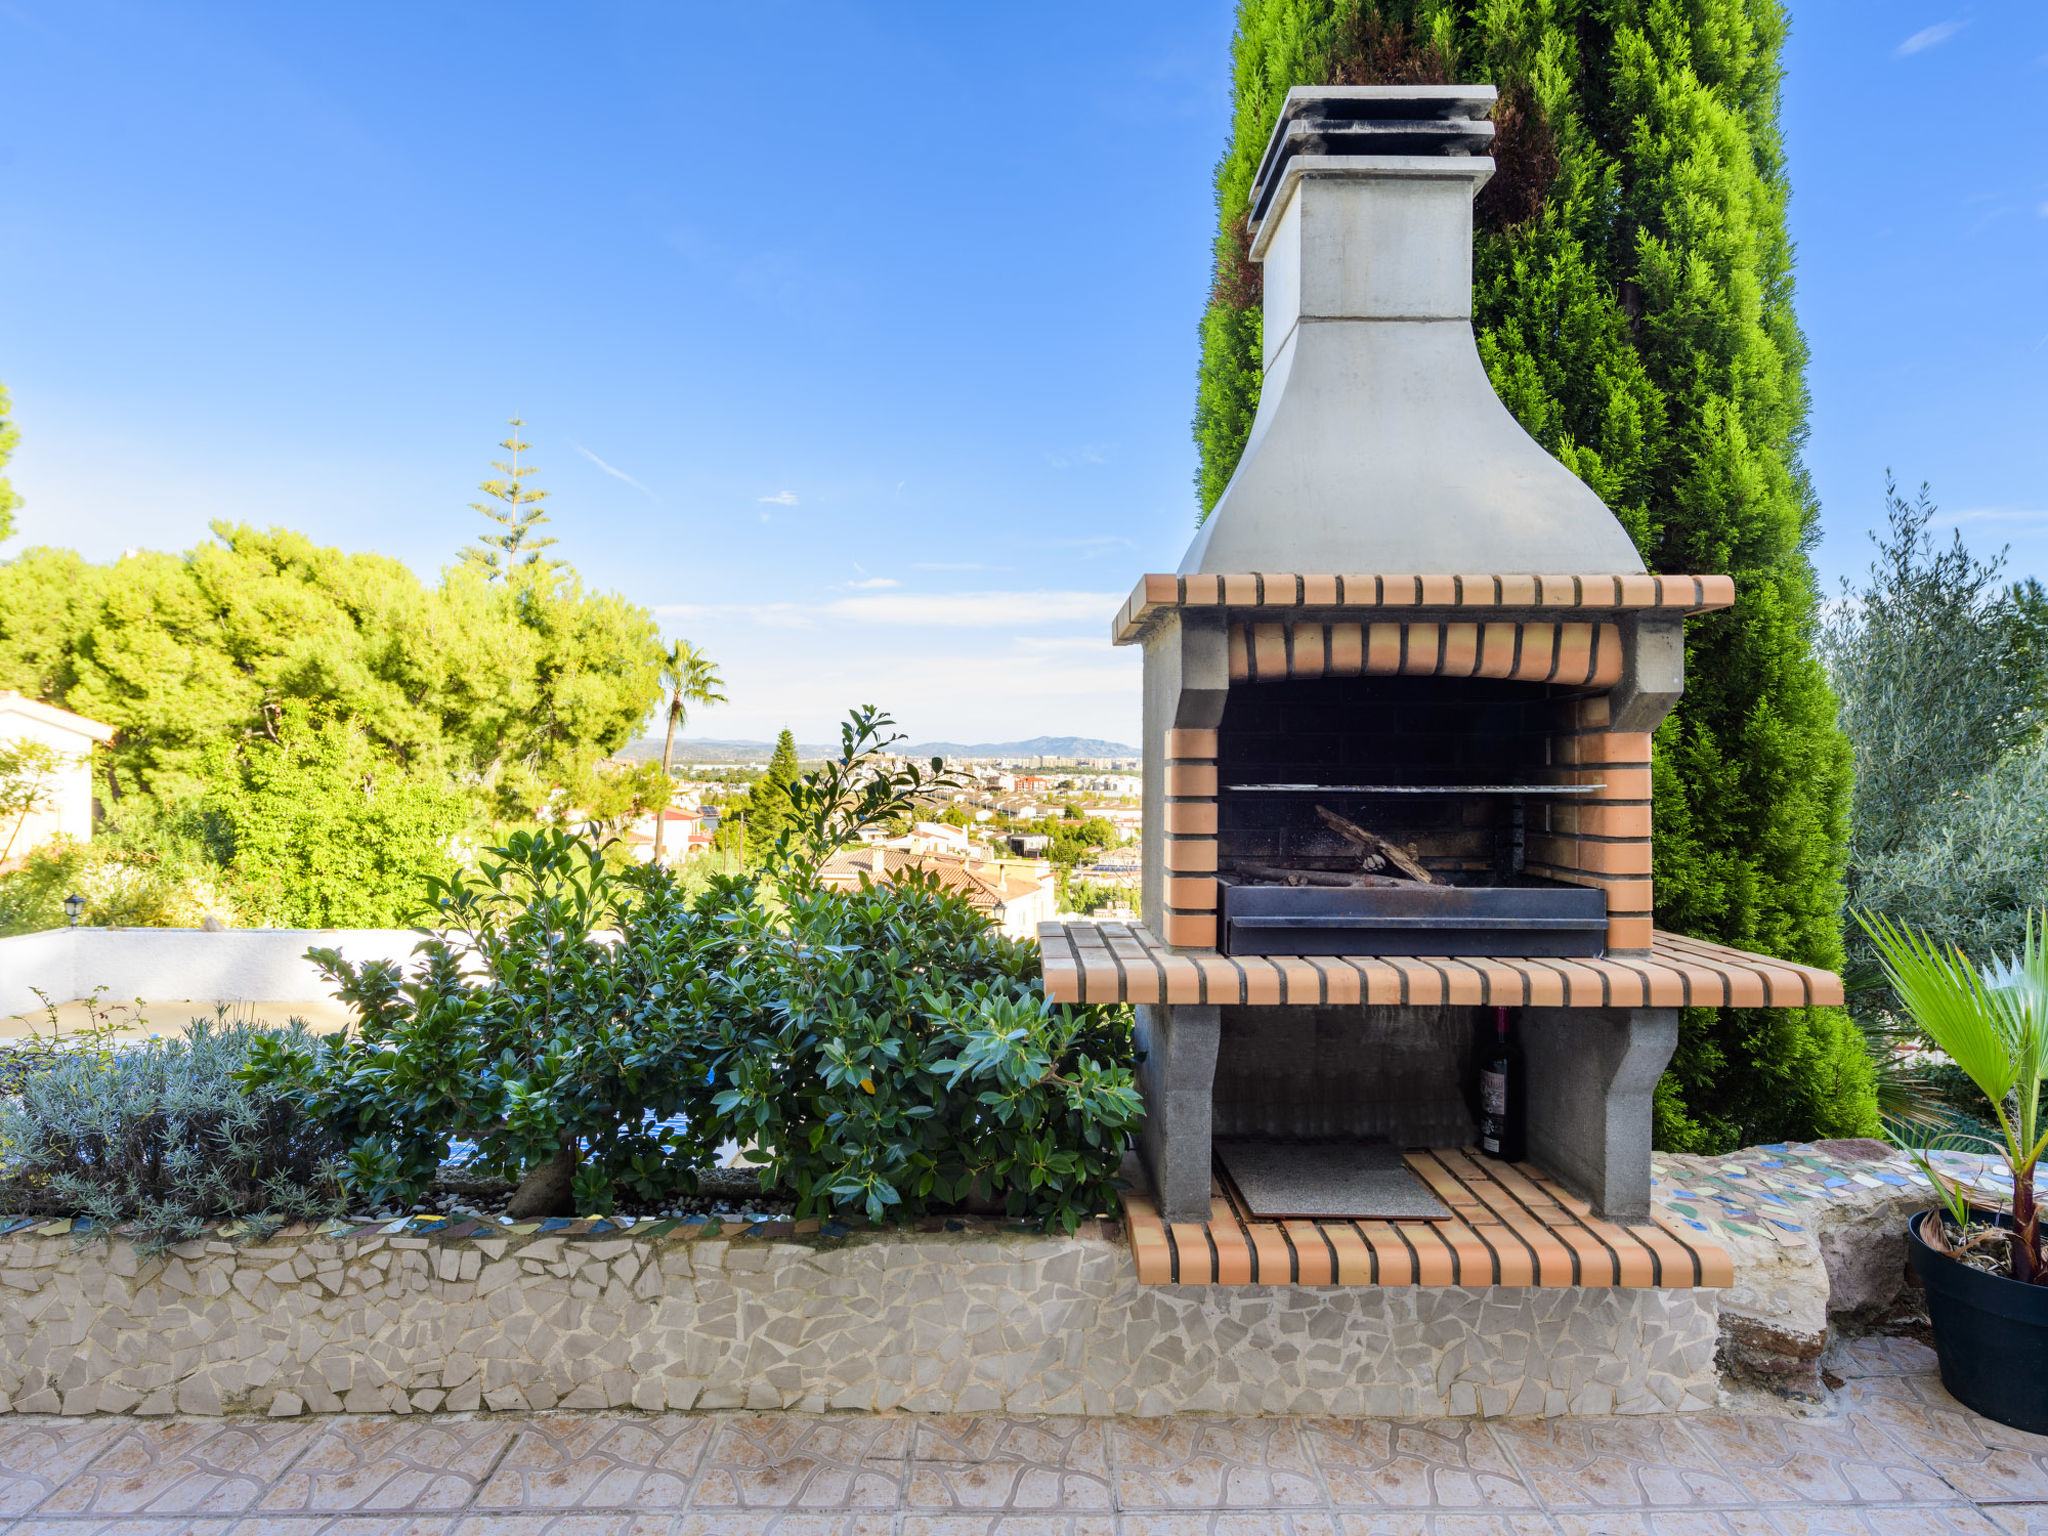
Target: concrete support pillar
[[1591, 1074], [1176, 1077]]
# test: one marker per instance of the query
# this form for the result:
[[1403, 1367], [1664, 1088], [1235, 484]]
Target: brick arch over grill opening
[[1574, 654]]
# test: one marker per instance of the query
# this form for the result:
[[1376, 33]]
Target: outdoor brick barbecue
[[1398, 705]]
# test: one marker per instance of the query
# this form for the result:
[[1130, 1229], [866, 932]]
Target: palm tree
[[690, 678], [1993, 1023]]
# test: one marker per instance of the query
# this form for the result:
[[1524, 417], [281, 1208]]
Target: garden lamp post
[[74, 907]]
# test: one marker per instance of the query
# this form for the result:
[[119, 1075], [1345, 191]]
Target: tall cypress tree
[[1633, 302], [768, 808]]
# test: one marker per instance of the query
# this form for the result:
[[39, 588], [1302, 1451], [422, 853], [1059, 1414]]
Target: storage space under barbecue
[[1392, 816]]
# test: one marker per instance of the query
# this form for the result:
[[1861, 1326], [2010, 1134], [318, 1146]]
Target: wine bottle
[[1500, 1095]]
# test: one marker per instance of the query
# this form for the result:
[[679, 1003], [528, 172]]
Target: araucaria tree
[[518, 512], [1633, 299]]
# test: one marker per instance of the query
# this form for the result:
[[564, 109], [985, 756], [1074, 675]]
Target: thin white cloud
[[780, 498], [977, 610], [873, 583], [1992, 515], [1067, 458], [1929, 37], [768, 615], [1098, 544], [611, 469], [920, 610]]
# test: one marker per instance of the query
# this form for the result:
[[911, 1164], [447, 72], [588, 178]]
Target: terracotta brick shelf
[[1124, 963], [1510, 1226]]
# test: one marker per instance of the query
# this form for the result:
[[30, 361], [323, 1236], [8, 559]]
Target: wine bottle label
[[1493, 1105]]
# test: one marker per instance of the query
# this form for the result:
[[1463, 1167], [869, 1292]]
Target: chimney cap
[[1372, 120]]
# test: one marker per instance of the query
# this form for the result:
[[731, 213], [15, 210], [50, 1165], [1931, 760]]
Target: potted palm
[[1987, 1290]]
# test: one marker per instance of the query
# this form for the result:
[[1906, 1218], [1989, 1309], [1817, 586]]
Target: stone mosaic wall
[[1817, 1233], [983, 1319]]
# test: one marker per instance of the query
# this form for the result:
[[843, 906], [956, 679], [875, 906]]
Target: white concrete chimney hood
[[1379, 443]]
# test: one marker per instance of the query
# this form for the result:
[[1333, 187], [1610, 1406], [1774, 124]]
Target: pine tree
[[768, 806], [519, 514], [10, 435], [1633, 301]]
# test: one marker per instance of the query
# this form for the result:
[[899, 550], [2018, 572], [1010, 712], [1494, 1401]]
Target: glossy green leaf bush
[[546, 1021], [887, 1050]]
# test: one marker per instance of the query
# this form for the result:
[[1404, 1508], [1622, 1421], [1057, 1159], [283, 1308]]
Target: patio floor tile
[[1977, 1458], [1186, 1463], [1229, 1522], [38, 1458], [1048, 1465], [1667, 1522], [579, 1522], [1876, 1355], [1450, 1465], [1879, 1520], [784, 1523], [1793, 1461], [376, 1464], [598, 1462], [921, 1523], [1405, 1522], [1893, 1455], [181, 1467], [804, 1464], [1616, 1464]]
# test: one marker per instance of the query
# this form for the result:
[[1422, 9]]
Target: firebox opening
[[1392, 815], [1351, 746]]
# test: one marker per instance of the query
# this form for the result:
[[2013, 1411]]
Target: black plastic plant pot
[[1990, 1333]]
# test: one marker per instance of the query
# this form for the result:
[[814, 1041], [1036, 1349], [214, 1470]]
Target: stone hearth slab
[[1307, 1180]]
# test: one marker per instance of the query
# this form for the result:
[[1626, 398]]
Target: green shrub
[[323, 829], [548, 1023], [143, 868], [165, 1136], [881, 1050], [885, 1049]]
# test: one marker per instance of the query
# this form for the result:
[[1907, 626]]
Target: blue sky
[[857, 340]]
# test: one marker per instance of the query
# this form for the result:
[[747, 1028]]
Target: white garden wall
[[240, 965]]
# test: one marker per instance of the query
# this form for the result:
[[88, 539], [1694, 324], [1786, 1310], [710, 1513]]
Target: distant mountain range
[[705, 750]]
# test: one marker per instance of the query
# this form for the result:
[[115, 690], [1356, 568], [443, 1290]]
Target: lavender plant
[[163, 1137]]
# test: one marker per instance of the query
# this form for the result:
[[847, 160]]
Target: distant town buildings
[[687, 833], [1016, 898]]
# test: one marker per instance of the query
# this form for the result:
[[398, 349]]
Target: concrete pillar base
[[1591, 1074], [1177, 1076]]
